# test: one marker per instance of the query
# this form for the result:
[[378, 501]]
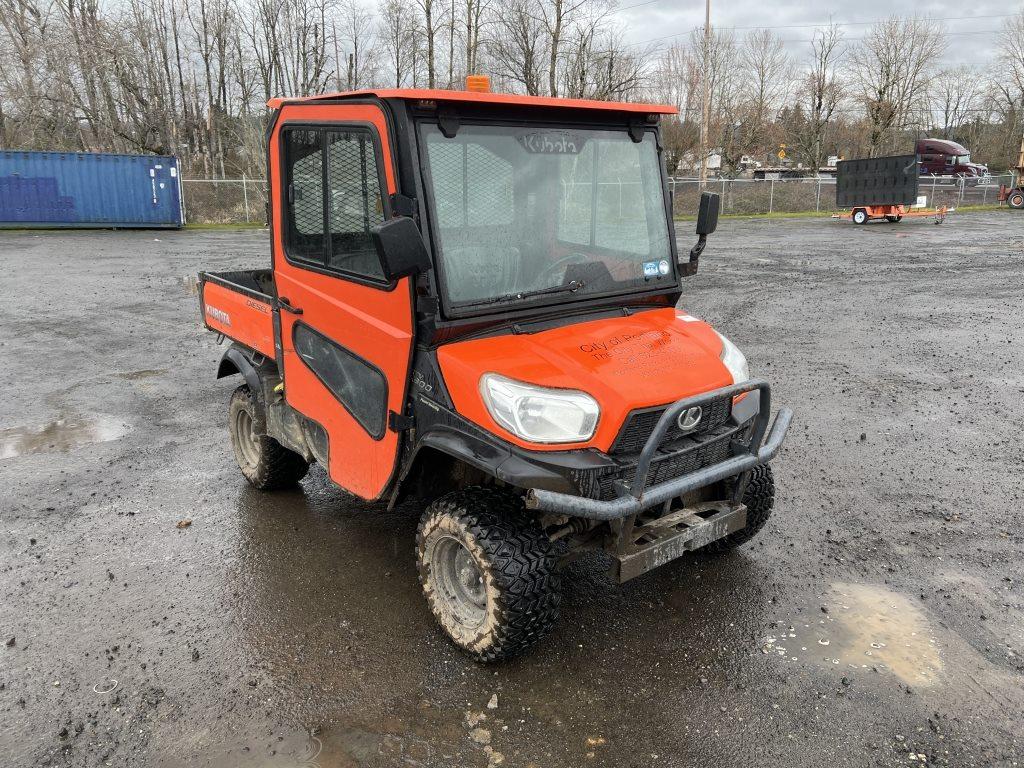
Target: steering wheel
[[550, 271]]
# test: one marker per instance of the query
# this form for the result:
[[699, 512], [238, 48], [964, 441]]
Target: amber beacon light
[[478, 83]]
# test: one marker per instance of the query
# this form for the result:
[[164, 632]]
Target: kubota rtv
[[472, 301]]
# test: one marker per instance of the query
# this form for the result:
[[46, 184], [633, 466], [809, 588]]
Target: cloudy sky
[[970, 24]]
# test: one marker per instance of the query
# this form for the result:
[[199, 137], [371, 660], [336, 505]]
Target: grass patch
[[828, 214], [775, 215]]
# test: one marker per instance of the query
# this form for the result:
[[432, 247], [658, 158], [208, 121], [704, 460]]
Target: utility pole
[[706, 96]]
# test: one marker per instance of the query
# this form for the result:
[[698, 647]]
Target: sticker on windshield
[[656, 268]]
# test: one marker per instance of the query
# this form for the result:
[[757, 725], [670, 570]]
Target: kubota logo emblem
[[690, 418]]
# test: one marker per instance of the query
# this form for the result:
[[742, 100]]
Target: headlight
[[734, 360], [538, 414]]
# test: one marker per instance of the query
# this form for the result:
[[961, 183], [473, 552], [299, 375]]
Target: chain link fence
[[768, 196], [225, 201], [244, 201]]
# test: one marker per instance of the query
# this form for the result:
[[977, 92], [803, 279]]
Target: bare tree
[[725, 89], [398, 37], [432, 22], [819, 94], [675, 80], [1011, 54], [191, 77], [518, 47], [893, 67], [357, 34], [557, 16], [955, 97], [767, 73], [475, 15]]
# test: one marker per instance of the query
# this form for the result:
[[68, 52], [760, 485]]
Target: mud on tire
[[264, 462], [488, 572], [760, 499]]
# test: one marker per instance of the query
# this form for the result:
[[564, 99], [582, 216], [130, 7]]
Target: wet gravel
[[878, 620]]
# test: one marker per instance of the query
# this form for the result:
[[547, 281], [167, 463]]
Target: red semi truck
[[941, 157]]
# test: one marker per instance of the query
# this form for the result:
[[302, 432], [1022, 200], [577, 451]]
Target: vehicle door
[[345, 332]]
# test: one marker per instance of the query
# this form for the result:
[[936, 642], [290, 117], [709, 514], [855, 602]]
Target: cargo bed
[[239, 305]]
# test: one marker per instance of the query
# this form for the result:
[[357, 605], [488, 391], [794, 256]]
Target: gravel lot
[[878, 620]]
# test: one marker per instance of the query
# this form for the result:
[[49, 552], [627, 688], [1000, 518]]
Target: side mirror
[[707, 222], [400, 248], [707, 216]]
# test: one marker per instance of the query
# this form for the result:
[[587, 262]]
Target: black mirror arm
[[688, 268]]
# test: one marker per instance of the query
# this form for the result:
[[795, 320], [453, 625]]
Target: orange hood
[[651, 358]]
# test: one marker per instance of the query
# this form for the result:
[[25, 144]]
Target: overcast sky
[[970, 34]]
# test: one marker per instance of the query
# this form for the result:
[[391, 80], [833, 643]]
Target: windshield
[[963, 159], [527, 212]]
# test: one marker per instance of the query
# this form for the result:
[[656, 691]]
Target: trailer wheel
[[894, 219], [264, 462], [860, 216], [760, 500], [488, 572], [1016, 199]]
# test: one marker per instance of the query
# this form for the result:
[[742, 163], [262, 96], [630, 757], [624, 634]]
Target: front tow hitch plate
[[652, 542]]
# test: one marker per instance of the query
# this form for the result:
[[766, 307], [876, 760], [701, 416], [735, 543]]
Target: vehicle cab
[[473, 302], [941, 157]]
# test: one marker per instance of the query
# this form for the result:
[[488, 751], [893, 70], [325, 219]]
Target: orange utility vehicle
[[472, 303]]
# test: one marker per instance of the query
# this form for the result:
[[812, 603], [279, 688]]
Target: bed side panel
[[242, 318]]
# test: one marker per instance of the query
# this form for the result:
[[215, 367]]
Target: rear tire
[[760, 500], [1016, 199], [894, 219], [264, 462], [488, 572], [860, 216]]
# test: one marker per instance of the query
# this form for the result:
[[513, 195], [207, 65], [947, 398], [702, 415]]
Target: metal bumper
[[635, 498]]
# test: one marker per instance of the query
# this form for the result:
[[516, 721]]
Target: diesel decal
[[259, 306]]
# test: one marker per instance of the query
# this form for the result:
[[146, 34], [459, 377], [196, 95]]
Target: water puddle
[[386, 742], [60, 435], [867, 627]]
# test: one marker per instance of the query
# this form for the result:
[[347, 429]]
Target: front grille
[[684, 455], [640, 424]]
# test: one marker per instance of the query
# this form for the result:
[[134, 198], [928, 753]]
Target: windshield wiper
[[571, 287]]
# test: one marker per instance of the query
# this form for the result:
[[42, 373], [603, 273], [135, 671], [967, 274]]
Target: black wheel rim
[[459, 581]]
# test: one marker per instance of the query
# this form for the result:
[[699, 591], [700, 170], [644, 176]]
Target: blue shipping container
[[79, 189]]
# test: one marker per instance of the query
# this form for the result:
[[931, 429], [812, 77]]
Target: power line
[[635, 5]]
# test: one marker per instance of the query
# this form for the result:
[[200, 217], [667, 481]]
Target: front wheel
[[488, 572], [759, 498], [1016, 199], [264, 462], [860, 216]]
